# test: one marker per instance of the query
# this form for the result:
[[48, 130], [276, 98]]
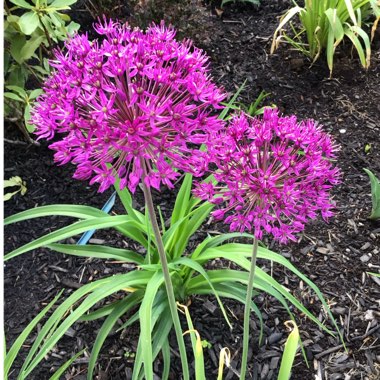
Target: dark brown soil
[[336, 256]]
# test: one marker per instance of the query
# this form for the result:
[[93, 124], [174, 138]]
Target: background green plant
[[324, 25], [375, 191], [31, 30], [253, 109], [15, 181], [25, 99]]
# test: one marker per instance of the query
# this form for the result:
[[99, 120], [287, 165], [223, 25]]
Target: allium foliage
[[274, 174], [132, 105]]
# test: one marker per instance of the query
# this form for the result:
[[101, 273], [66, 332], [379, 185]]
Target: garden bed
[[336, 256]]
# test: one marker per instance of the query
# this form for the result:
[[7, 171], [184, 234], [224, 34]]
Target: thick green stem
[[168, 280], [247, 310]]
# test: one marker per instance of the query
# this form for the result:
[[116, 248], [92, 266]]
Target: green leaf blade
[[375, 191]]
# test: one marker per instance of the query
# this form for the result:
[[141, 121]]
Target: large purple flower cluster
[[273, 174], [134, 105]]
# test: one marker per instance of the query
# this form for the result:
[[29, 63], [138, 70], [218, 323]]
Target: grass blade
[[284, 20], [61, 370], [230, 104]]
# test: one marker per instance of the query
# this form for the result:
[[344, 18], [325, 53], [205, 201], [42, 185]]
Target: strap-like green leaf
[[367, 44], [176, 237], [236, 292], [98, 251], [119, 310], [375, 190], [166, 359], [198, 285], [335, 35], [126, 200], [189, 227], [198, 268], [69, 231], [99, 313], [211, 242], [98, 290], [235, 252], [232, 101], [74, 211], [13, 351], [289, 352], [356, 42], [145, 314], [181, 204], [162, 324]]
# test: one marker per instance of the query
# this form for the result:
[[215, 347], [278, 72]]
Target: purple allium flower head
[[274, 174], [133, 104]]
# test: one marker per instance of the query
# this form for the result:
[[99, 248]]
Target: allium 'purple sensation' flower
[[134, 104], [274, 174]]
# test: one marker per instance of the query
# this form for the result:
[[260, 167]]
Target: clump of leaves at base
[[144, 301], [325, 24]]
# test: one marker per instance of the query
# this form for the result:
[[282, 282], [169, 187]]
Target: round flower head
[[273, 174], [130, 106]]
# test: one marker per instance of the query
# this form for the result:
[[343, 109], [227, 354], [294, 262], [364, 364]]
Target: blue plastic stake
[[106, 208]]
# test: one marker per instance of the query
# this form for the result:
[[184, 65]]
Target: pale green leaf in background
[[14, 181], [29, 22]]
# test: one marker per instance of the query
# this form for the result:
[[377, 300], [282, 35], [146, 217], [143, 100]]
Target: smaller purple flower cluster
[[133, 106], [273, 174]]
